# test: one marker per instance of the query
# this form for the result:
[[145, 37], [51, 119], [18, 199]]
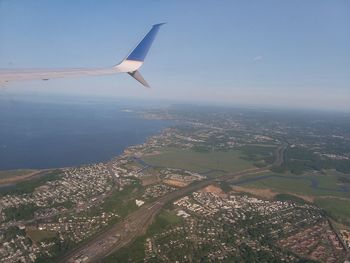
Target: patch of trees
[[298, 160], [23, 212]]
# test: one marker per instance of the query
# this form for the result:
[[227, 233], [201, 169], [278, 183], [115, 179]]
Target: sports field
[[39, 235]]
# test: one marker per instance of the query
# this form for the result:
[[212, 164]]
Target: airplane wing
[[129, 65]]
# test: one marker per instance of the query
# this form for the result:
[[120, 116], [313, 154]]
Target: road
[[125, 231], [279, 155]]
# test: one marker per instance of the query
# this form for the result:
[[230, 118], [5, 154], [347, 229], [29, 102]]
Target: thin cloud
[[257, 58]]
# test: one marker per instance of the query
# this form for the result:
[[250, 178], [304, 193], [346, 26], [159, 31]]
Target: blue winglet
[[140, 52]]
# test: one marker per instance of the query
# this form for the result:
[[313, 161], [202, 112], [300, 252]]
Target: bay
[[61, 132]]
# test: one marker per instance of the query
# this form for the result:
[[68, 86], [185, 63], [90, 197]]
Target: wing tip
[[159, 24], [137, 75]]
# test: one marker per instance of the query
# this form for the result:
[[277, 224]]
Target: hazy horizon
[[62, 98]]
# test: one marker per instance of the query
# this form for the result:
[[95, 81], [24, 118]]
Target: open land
[[200, 162], [15, 176], [222, 186]]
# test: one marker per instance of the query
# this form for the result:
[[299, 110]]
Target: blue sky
[[272, 53]]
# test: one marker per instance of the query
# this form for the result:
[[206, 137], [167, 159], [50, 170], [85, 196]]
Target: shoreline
[[36, 173], [12, 181]]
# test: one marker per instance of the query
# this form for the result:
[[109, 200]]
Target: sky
[[293, 54]]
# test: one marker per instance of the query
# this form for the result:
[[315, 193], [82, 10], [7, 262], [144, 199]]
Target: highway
[[125, 231]]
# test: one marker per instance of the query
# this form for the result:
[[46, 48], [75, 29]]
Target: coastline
[[37, 173]]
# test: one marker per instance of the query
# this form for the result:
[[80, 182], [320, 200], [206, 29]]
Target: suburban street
[[125, 231]]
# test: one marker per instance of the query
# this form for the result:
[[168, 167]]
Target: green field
[[40, 235], [22, 212], [327, 185], [122, 202], [200, 162], [164, 219], [336, 208], [259, 152], [328, 193]]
